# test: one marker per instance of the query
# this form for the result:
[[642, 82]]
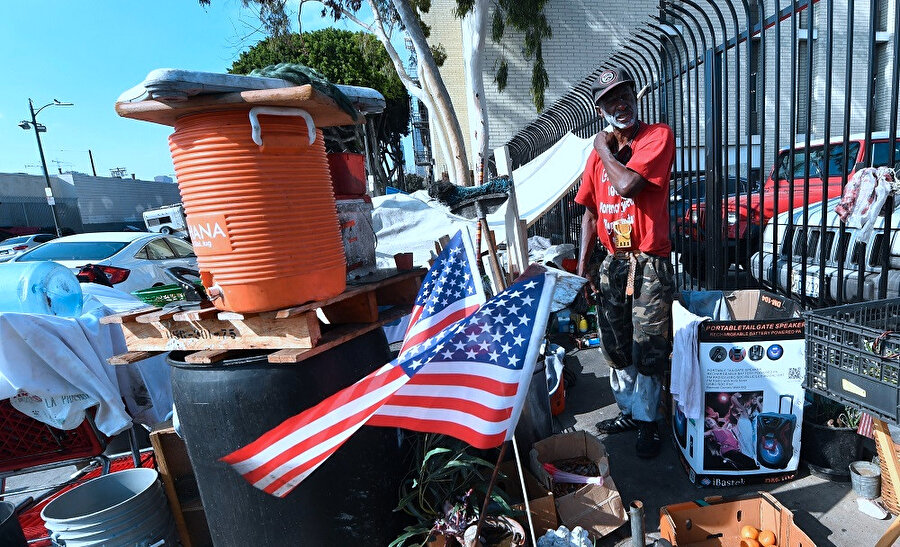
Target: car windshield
[[838, 162], [698, 191], [75, 250], [14, 240]]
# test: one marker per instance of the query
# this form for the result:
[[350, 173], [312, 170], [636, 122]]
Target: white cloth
[[746, 436], [62, 361], [636, 394], [687, 383]]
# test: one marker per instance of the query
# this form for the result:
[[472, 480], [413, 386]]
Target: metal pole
[[636, 516], [37, 135], [94, 169]]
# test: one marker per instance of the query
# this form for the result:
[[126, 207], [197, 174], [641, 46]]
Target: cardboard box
[[718, 521], [540, 499], [596, 508], [752, 365]]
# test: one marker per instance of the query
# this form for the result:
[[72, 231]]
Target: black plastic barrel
[[11, 534], [349, 500]]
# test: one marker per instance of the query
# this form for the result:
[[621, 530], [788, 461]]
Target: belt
[[631, 257]]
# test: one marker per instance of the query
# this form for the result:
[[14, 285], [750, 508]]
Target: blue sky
[[88, 53]]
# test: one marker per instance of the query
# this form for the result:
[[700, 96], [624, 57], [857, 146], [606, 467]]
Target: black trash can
[[349, 500]]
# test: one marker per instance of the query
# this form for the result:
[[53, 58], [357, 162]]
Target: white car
[[131, 260], [14, 246]]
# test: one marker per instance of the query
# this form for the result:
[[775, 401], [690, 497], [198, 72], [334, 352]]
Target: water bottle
[[39, 287]]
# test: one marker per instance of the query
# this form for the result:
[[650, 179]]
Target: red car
[[746, 215]]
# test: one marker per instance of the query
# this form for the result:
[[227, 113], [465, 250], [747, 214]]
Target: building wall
[[84, 203]]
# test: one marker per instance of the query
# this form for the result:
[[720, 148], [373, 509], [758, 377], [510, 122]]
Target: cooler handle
[[256, 130], [780, 398]]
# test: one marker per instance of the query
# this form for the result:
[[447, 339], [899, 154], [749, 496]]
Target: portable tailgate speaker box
[[750, 364], [775, 436]]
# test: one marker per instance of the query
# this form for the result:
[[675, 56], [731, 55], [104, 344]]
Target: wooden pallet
[[298, 333]]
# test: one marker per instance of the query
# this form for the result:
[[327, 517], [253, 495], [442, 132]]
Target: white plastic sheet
[[61, 363]]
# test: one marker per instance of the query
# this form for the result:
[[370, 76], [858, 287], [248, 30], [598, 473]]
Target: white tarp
[[60, 363], [543, 181], [407, 224]]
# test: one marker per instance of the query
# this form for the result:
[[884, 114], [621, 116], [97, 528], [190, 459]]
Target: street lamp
[[38, 129]]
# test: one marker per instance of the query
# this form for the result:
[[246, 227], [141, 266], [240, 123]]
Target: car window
[[182, 248], [74, 250], [881, 154], [15, 240], [158, 250], [837, 161], [43, 238]]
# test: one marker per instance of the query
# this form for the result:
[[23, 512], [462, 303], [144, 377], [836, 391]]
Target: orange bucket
[[261, 216]]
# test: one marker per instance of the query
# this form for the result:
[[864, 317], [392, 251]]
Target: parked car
[[745, 215], [783, 263], [14, 246], [131, 260], [685, 193]]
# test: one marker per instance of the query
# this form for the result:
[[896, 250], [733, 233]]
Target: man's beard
[[611, 120]]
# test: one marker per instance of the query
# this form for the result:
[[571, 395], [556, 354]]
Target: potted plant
[[442, 494], [829, 439]]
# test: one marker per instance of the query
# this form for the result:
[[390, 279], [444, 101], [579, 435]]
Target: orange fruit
[[766, 538], [749, 532], [749, 542]]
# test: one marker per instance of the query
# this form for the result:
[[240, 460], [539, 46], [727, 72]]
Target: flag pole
[[524, 492], [487, 494]]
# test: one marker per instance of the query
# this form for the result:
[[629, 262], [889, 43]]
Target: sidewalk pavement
[[825, 510]]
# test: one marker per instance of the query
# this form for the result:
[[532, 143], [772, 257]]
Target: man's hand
[[605, 142]]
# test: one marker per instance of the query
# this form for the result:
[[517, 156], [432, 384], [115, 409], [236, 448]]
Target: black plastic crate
[[853, 355]]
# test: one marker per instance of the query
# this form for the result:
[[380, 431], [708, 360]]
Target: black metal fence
[[775, 106]]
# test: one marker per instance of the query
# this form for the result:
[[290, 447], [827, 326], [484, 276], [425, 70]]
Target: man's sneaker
[[648, 442], [617, 425]]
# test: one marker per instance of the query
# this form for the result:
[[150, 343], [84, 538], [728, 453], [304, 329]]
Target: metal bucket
[[865, 477], [127, 508]]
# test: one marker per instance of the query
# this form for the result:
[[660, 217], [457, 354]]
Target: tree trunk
[[435, 83], [474, 30]]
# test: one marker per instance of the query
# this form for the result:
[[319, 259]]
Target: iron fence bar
[[693, 243], [689, 197], [761, 122], [656, 56], [714, 174], [892, 157], [870, 120], [807, 130], [737, 129], [826, 129], [848, 92], [671, 63], [682, 77], [652, 82], [776, 252], [791, 154]]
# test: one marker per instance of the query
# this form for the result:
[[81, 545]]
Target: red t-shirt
[[653, 151]]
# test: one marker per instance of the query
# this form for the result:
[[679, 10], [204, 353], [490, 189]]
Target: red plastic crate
[[26, 442]]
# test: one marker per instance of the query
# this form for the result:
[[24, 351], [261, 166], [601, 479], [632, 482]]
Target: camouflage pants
[[636, 330]]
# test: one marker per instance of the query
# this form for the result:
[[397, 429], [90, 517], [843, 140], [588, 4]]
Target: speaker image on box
[[775, 436], [679, 426]]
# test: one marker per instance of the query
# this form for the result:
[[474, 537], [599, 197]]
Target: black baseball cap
[[608, 80]]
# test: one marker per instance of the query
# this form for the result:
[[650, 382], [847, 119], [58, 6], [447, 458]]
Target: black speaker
[[775, 436], [679, 426]]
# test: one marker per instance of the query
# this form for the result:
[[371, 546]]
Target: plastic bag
[[864, 197]]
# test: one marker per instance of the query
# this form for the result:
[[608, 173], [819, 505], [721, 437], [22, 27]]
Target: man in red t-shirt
[[625, 190]]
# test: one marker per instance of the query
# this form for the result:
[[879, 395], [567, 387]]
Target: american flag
[[866, 426], [477, 367]]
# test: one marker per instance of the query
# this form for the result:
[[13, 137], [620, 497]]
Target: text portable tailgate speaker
[[775, 436]]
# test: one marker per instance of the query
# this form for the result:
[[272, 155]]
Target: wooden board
[[324, 111], [211, 333], [337, 336]]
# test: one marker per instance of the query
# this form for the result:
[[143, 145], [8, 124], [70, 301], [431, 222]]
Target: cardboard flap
[[597, 509]]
